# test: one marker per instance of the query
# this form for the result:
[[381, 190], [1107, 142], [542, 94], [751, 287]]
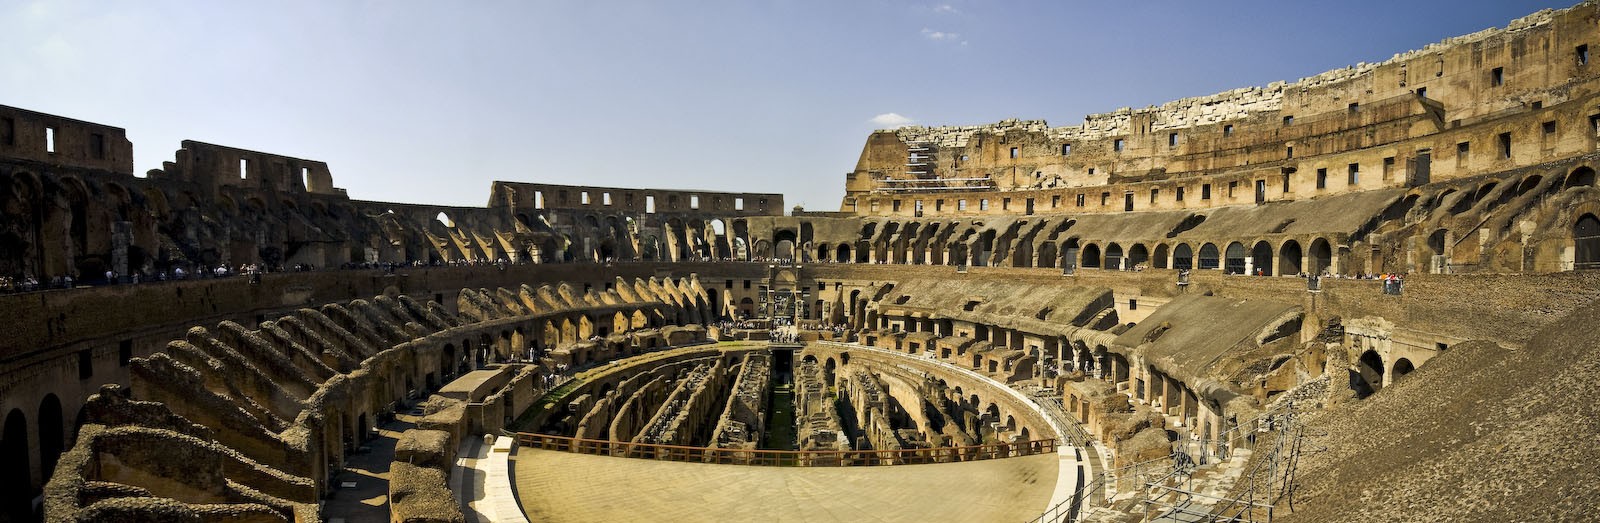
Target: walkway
[[481, 481], [361, 491]]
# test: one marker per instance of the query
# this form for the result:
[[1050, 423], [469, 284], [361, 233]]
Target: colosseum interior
[[1359, 296]]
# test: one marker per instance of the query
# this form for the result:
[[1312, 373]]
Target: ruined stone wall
[[419, 488], [1531, 80], [819, 427], [743, 419], [873, 414], [290, 398], [691, 411], [50, 141]]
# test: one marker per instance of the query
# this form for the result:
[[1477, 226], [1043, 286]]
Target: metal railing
[[1073, 508], [785, 458]]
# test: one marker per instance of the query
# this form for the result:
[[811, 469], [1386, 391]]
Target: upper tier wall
[[1410, 103], [537, 196], [64, 142]]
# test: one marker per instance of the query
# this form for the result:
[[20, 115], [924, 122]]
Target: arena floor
[[566, 487]]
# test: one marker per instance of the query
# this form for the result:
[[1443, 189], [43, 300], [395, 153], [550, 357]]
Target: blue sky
[[413, 101]]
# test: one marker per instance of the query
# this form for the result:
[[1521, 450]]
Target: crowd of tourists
[[835, 328], [727, 325], [783, 336]]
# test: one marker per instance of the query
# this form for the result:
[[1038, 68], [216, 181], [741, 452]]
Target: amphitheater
[[1360, 296]]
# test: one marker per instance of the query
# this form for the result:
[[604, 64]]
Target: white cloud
[[890, 120], [946, 9], [939, 36]]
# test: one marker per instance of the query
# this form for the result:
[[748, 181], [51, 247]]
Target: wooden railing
[[785, 458]]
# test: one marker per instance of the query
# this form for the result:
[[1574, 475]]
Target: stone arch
[[983, 249], [1321, 257], [1210, 257], [1114, 257], [17, 498], [550, 250], [1464, 201], [1369, 368], [1182, 257], [1234, 258], [450, 364], [1138, 255], [1483, 191], [1261, 258], [1402, 367], [1159, 259], [156, 202], [52, 435], [1436, 241], [18, 253], [842, 254], [1047, 255], [620, 322], [1529, 184], [1091, 256], [74, 221], [1581, 177], [1586, 242], [957, 253], [1289, 258], [1022, 254], [569, 330]]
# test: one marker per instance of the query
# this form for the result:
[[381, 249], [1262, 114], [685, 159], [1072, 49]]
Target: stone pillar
[[225, 253], [1150, 386], [121, 236], [1173, 395], [1183, 408]]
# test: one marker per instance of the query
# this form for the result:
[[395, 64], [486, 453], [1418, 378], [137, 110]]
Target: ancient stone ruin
[[1359, 296]]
